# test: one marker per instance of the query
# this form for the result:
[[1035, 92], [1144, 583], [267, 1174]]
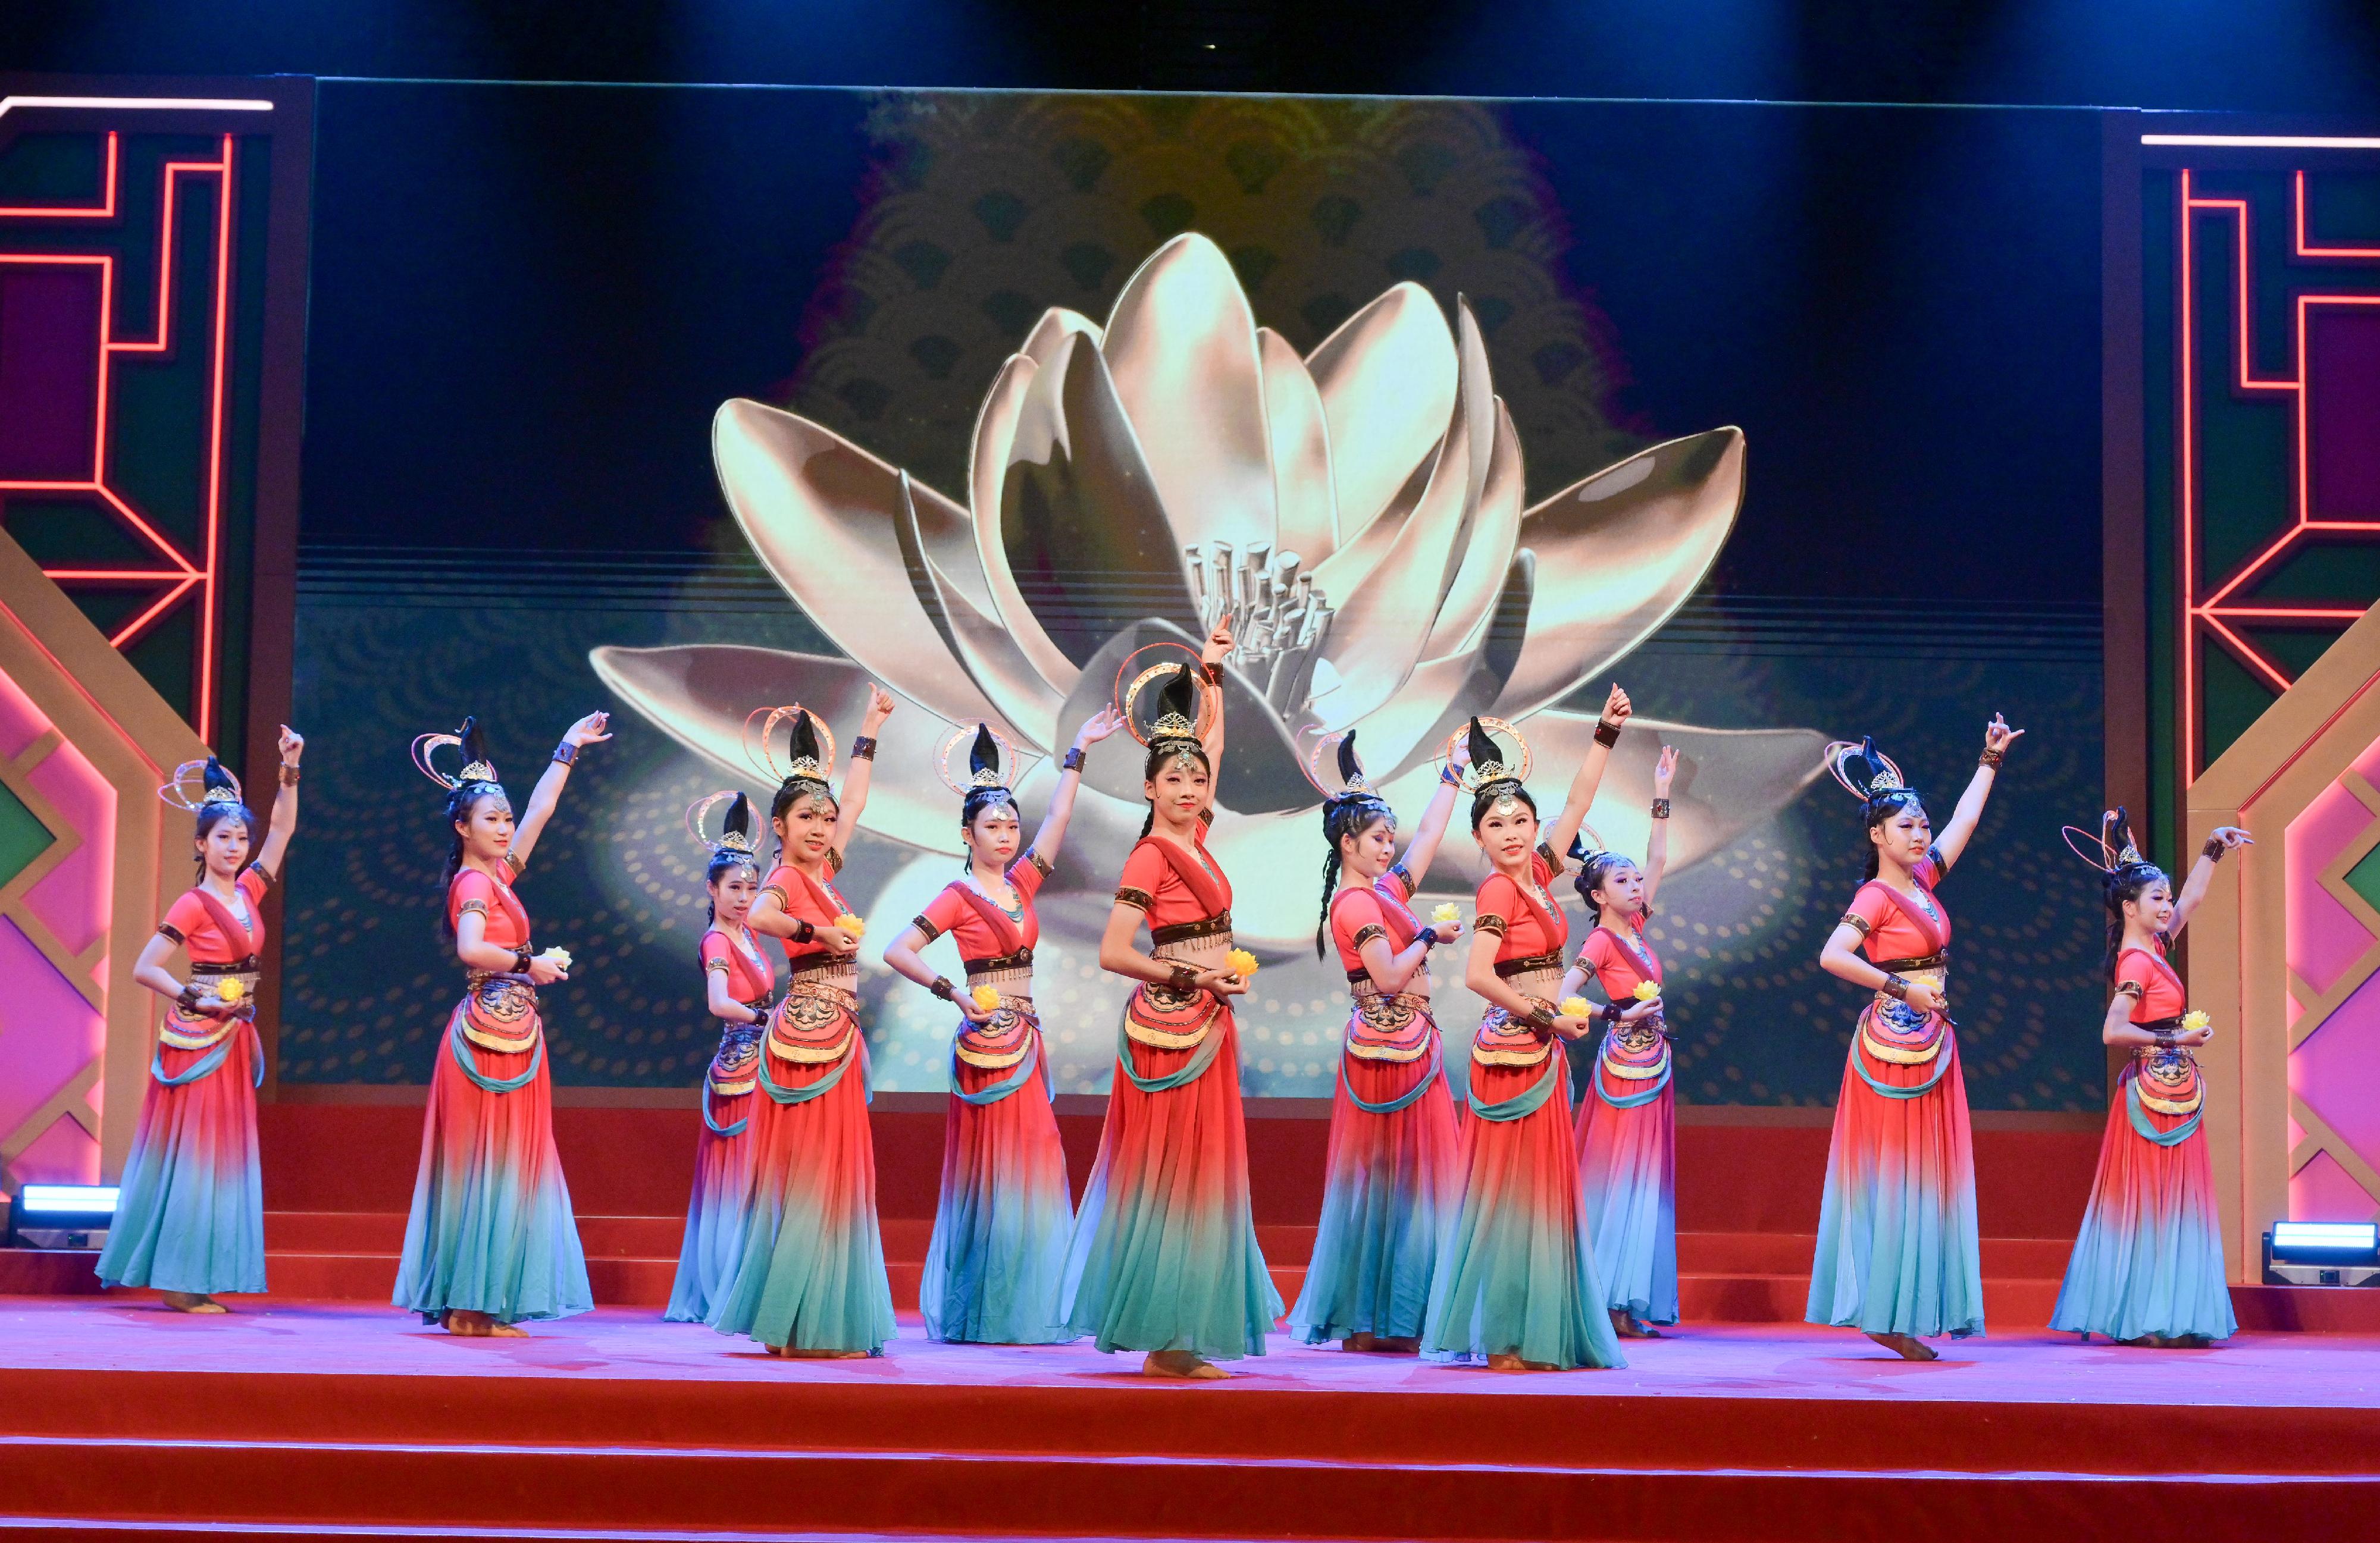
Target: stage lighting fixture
[[2322, 1253], [60, 1215]]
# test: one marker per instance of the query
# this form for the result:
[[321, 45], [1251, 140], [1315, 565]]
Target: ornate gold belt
[[182, 1039], [1888, 1006], [497, 1002], [1533, 1054], [810, 1055]]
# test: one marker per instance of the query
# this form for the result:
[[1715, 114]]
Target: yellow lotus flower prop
[[1448, 911], [1358, 513], [851, 925], [2194, 1021], [558, 958], [1648, 990], [1577, 1007], [231, 988], [986, 998], [1242, 962]]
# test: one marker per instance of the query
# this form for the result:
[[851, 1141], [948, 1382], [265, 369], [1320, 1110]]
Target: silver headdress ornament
[[1187, 705], [209, 779], [735, 828], [804, 761], [476, 766], [1354, 785], [991, 761], [1488, 769], [2112, 850], [1866, 772]]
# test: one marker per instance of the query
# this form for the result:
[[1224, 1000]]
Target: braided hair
[[725, 859], [2122, 882], [214, 811], [462, 803], [794, 788], [1344, 815], [1174, 696]]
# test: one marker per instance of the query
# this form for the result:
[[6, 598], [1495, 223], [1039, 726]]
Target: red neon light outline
[[2212, 614], [184, 576], [2303, 250], [106, 209]]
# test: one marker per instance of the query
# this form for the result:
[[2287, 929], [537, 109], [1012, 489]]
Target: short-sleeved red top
[[190, 921], [1529, 926], [750, 976], [982, 929], [1903, 927], [2162, 995], [805, 900], [1175, 887], [1381, 910], [1620, 959], [475, 891]]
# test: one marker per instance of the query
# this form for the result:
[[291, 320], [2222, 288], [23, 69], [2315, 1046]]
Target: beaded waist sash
[[1505, 1041], [1002, 1040], [1192, 932], [2169, 1076], [500, 1011], [733, 1065], [816, 1020], [1635, 1052], [1386, 1026], [1531, 964], [1163, 1018], [1019, 962], [187, 1030], [1894, 1031]]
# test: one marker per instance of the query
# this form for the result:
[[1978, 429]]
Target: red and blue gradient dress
[[1390, 1172], [1515, 1271], [1164, 1254], [189, 1213], [1627, 1136], [490, 1229], [723, 1153], [997, 1258], [2150, 1256], [1897, 1250], [812, 1272]]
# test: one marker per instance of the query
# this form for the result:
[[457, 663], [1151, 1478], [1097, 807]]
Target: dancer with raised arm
[[1391, 1169], [490, 1240], [1897, 1256], [739, 987], [190, 1212], [1164, 1257], [1627, 1126], [998, 1256], [1516, 1285], [2148, 1267], [811, 1281]]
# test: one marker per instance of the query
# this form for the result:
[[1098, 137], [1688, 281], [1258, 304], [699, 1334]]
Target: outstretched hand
[[1219, 643], [1663, 770], [1999, 736], [594, 729], [293, 745], [1617, 708], [1098, 725]]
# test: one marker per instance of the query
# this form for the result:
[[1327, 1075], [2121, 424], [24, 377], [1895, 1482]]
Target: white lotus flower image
[[1357, 513]]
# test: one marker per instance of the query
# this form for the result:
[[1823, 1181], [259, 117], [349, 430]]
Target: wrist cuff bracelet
[[288, 775], [1895, 987], [2214, 849], [804, 932], [1660, 809], [1992, 757], [864, 748], [1183, 980], [188, 998], [520, 959], [942, 988], [1212, 673], [565, 754], [1609, 1012], [1074, 761], [2165, 1042], [1607, 733]]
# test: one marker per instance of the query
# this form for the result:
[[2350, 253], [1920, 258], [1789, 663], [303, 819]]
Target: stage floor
[[331, 1419]]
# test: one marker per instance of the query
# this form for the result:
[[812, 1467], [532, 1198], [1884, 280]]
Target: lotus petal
[[1488, 548], [1307, 505], [698, 695], [1386, 377], [1617, 554], [820, 511], [987, 457], [1181, 346], [1441, 694], [988, 652], [1378, 635], [1056, 325], [1262, 770], [1086, 534]]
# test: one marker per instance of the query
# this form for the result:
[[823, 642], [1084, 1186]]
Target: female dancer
[[1164, 1257], [1393, 1144], [999, 1248], [1897, 1253], [811, 1281], [491, 1240], [2148, 1267], [1627, 1132], [189, 1214], [1516, 1283], [739, 987]]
